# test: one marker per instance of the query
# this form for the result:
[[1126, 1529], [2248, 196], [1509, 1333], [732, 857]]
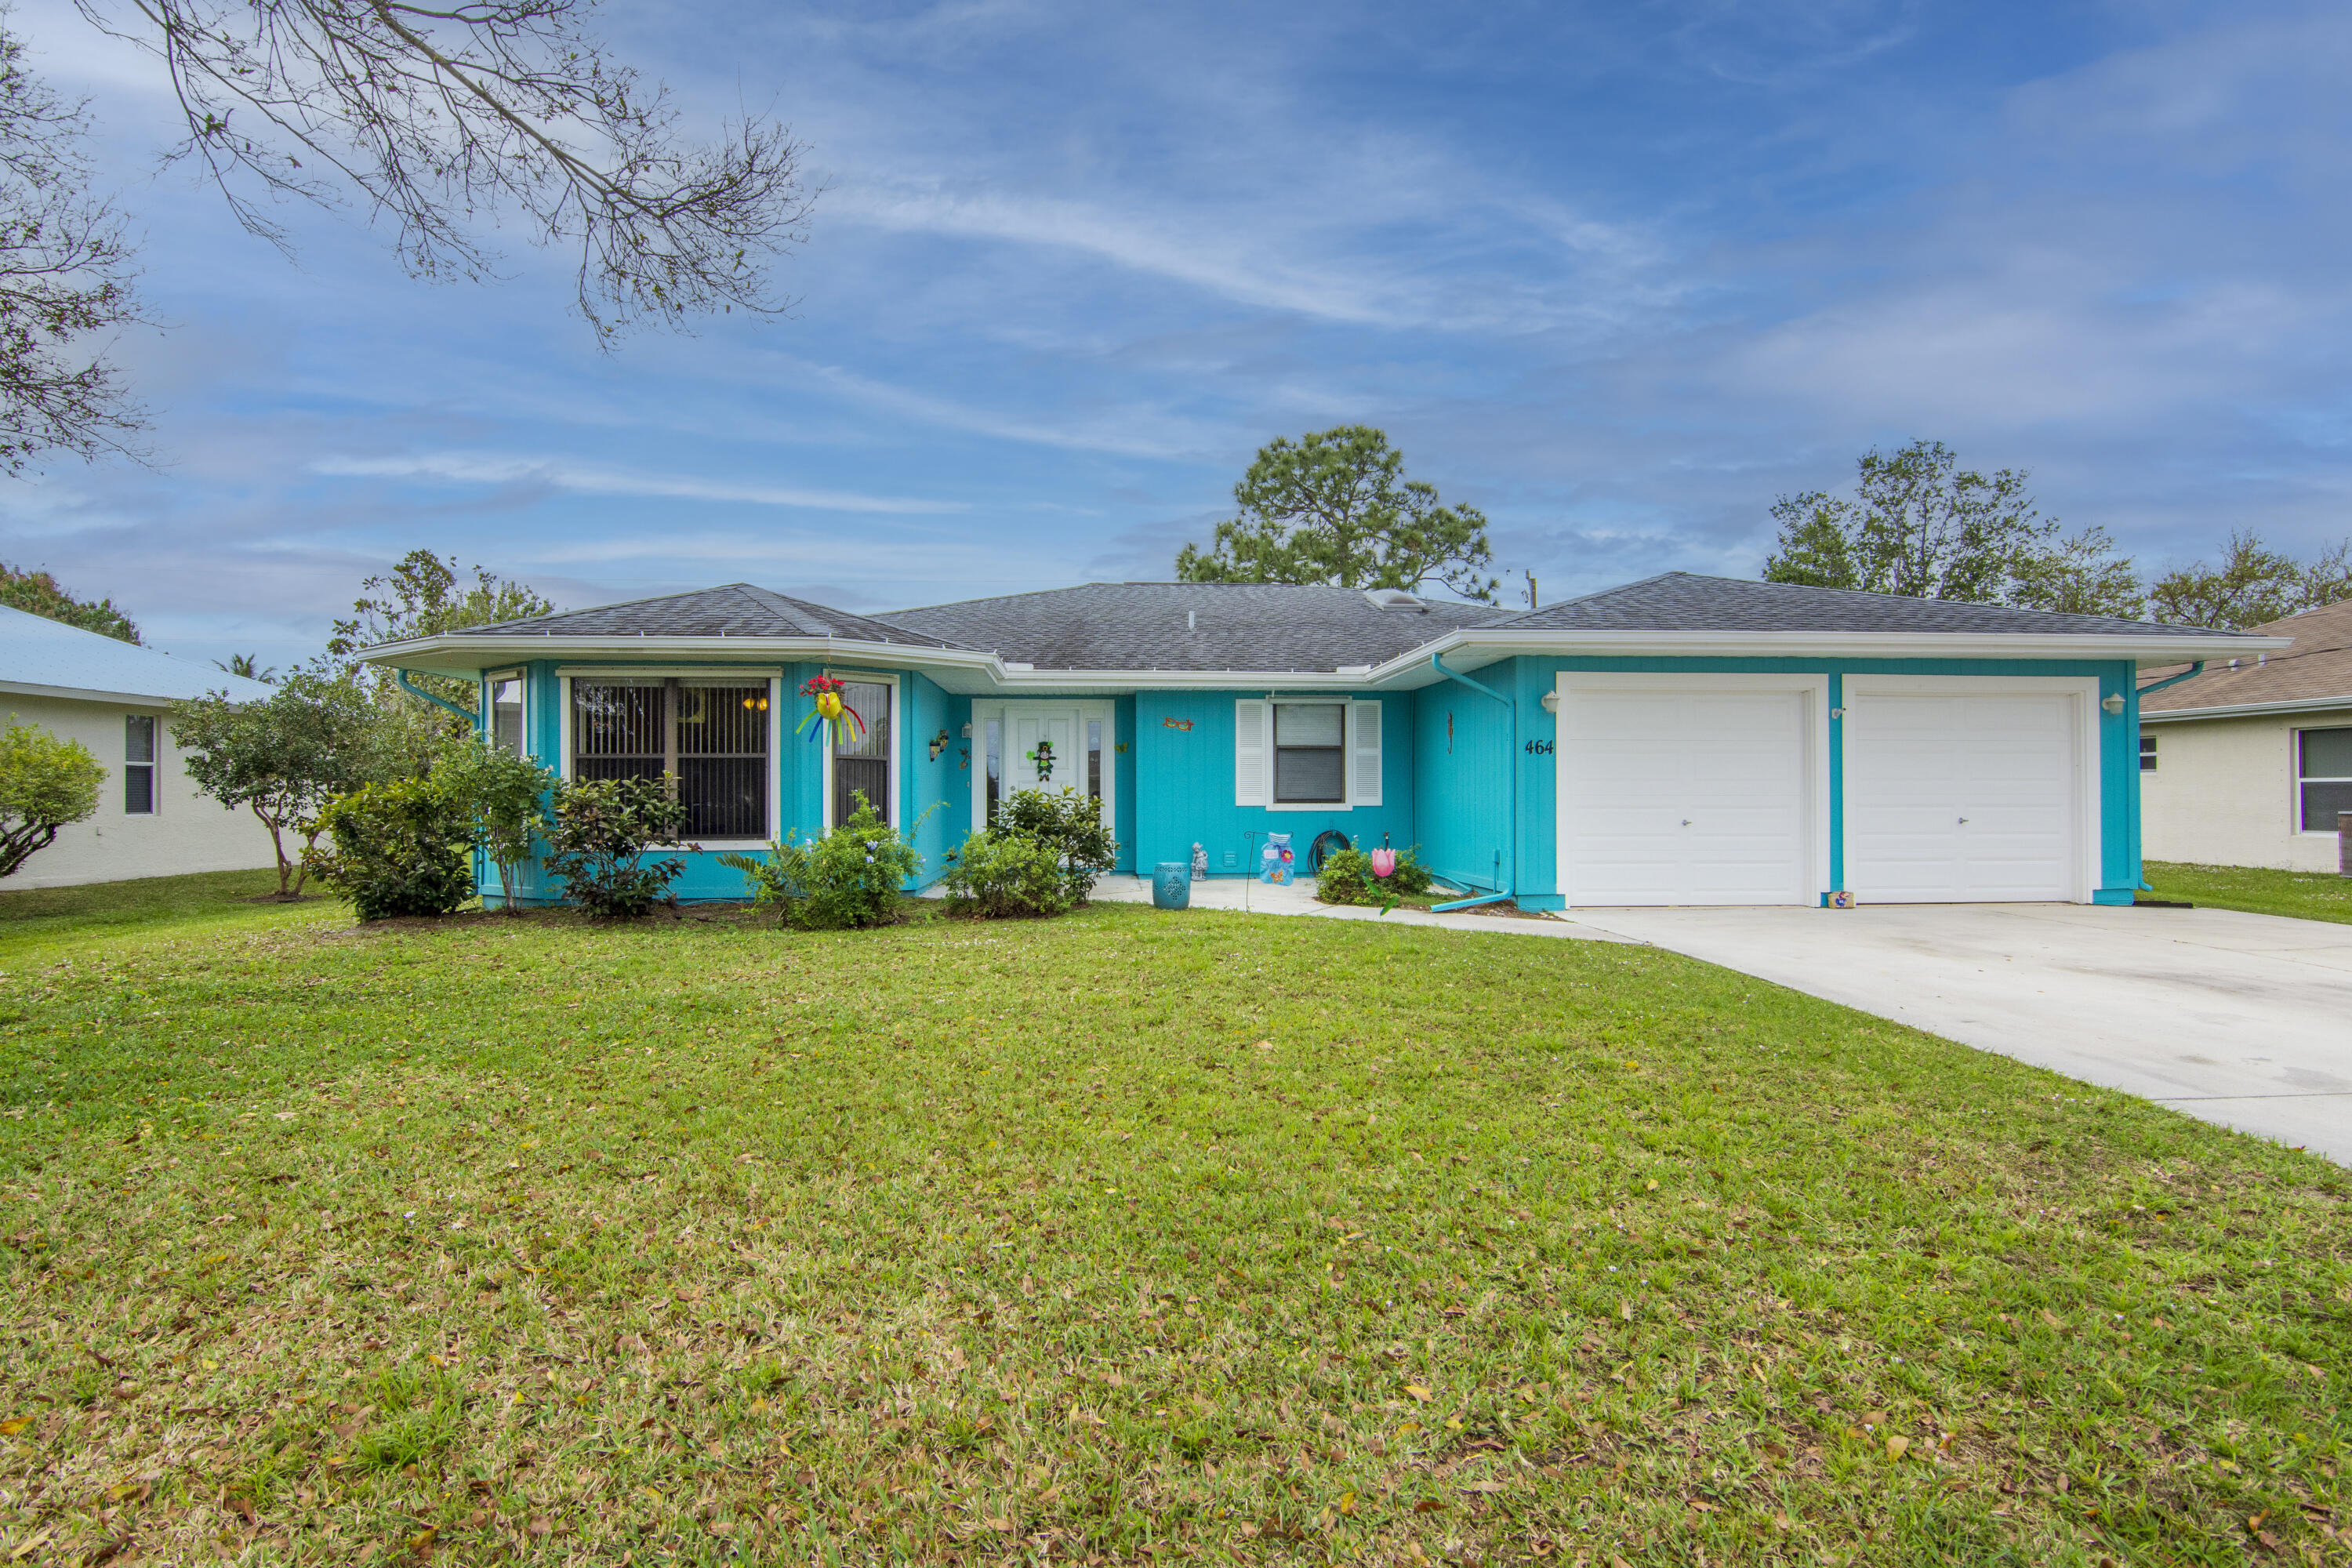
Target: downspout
[[1511, 792], [473, 724], [415, 690], [2138, 692]]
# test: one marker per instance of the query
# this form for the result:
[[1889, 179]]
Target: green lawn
[[2305, 895], [1128, 1238]]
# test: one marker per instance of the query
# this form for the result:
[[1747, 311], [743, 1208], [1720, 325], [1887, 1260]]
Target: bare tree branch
[[65, 281], [448, 120]]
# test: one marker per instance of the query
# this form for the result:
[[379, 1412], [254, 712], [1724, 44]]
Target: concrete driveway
[[2245, 1020]]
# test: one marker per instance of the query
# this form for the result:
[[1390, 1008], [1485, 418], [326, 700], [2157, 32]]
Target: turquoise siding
[[1180, 786]]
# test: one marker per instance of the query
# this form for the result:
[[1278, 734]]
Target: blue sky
[[1617, 274]]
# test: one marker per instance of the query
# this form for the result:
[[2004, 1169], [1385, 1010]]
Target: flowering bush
[[848, 880], [1347, 878]]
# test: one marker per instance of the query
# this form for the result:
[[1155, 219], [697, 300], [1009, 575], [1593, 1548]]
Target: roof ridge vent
[[1395, 599]]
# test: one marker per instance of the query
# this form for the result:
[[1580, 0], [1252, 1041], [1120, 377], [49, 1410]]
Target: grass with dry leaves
[[1128, 1237]]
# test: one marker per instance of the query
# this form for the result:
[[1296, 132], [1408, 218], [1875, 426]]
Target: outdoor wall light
[[1551, 702], [2114, 703]]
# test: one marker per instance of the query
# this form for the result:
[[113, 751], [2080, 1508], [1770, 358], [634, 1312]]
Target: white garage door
[[1683, 797], [1961, 798]]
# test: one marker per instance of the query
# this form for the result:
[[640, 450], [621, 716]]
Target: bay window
[[712, 739]]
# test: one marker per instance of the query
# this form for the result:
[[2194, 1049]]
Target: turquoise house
[[1682, 740]]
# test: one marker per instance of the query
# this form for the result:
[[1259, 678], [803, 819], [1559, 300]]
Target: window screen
[[712, 739], [1311, 754], [2324, 770], [138, 765], [864, 764]]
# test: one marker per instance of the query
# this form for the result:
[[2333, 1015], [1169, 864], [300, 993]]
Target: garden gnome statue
[[1200, 864]]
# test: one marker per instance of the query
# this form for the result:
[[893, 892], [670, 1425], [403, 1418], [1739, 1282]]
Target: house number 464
[[1539, 748]]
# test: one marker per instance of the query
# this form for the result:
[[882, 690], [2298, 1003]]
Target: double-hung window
[[2323, 776], [712, 739], [1311, 754], [1297, 754], [138, 765], [2148, 754]]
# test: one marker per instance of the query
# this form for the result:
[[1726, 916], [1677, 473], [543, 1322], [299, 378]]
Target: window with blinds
[[712, 740]]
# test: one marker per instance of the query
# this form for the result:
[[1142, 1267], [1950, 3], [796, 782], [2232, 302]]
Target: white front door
[[1682, 796], [1962, 798], [1044, 753], [1042, 745]]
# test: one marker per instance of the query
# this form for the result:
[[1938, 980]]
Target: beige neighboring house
[[2249, 763], [113, 695]]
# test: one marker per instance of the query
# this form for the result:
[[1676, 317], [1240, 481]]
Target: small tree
[[423, 594], [45, 783], [504, 798], [284, 758], [1335, 507], [599, 838]]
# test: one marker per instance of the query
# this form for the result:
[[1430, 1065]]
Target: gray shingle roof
[[737, 610], [1234, 626], [1686, 601]]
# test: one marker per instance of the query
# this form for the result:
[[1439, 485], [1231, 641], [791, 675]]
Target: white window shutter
[[1250, 760], [1363, 753]]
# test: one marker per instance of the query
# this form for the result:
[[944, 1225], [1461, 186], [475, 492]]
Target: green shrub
[[1347, 878], [45, 783], [598, 839], [399, 848], [1071, 825], [1000, 875], [848, 879]]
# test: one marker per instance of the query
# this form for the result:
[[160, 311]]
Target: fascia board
[[86, 694], [2248, 710], [1491, 645]]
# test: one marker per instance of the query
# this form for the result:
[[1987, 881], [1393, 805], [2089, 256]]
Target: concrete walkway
[[2244, 1020], [1297, 897]]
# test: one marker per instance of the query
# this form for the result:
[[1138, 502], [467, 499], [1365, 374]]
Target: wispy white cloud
[[587, 478]]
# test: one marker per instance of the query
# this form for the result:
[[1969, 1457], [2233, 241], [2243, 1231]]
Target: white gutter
[[89, 694], [1412, 666], [2247, 709]]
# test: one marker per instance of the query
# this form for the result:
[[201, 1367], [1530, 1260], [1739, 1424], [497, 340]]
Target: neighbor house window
[[712, 739], [138, 765], [2148, 754], [1311, 754], [505, 713], [2324, 772]]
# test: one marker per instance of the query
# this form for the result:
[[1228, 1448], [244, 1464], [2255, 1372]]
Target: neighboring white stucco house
[[112, 697], [2249, 763]]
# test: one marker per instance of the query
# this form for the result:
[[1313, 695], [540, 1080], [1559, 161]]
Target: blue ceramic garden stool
[[1171, 885]]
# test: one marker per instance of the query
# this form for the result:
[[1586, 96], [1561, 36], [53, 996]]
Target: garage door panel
[[1674, 797], [1961, 798]]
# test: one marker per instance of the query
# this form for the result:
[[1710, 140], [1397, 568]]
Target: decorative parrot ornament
[[831, 714]]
